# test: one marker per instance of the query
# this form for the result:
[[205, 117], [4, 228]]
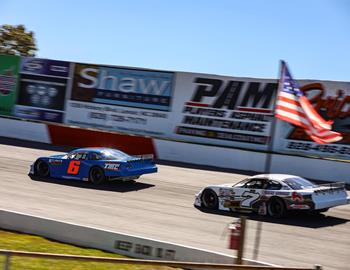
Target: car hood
[[223, 185]]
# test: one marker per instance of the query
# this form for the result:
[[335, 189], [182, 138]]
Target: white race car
[[272, 194]]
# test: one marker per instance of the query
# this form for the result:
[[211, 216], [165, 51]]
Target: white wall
[[318, 169], [210, 155], [24, 130]]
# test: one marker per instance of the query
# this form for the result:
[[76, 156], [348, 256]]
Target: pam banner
[[128, 100], [224, 111], [332, 101], [42, 89], [9, 69]]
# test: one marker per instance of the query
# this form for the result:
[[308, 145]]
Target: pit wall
[[176, 151]]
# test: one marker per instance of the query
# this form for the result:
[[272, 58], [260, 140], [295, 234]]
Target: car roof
[[274, 176], [94, 149]]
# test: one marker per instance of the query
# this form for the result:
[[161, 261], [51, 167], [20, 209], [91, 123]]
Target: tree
[[16, 40]]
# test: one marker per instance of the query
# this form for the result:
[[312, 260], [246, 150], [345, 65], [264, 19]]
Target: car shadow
[[301, 219], [114, 186]]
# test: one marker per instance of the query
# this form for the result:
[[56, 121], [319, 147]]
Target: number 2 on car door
[[249, 198]]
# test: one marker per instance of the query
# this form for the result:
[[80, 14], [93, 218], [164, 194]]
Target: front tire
[[96, 176], [210, 199], [41, 169], [276, 208]]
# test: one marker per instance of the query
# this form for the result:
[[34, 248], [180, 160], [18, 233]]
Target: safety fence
[[186, 265]]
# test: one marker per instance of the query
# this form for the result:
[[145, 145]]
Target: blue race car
[[96, 165]]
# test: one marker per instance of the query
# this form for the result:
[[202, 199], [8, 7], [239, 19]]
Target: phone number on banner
[[323, 148]]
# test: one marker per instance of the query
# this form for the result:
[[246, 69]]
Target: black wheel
[[276, 208], [210, 199], [41, 169], [96, 175]]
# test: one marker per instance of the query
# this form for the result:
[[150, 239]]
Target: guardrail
[[186, 265]]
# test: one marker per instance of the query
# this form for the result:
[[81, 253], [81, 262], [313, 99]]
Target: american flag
[[293, 107]]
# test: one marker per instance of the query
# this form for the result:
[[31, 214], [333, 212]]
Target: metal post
[[7, 262], [257, 240], [273, 122], [241, 240], [318, 267]]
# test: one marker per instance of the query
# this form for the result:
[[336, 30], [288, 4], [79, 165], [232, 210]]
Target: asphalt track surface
[[160, 206]]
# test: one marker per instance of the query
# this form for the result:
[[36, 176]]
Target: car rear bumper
[[331, 203], [136, 172]]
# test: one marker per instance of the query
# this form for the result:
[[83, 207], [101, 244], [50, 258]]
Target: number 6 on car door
[[249, 199], [73, 167]]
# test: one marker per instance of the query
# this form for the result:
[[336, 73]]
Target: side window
[[95, 156], [255, 184], [71, 155], [81, 156], [273, 185]]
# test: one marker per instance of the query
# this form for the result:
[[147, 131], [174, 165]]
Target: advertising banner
[[128, 100], [42, 89], [224, 111], [9, 69], [332, 101]]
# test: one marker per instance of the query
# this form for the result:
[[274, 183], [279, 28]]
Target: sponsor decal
[[297, 197], [55, 161], [112, 166], [44, 66], [332, 101], [125, 100], [42, 89], [9, 68], [228, 112], [146, 250], [7, 82], [123, 87]]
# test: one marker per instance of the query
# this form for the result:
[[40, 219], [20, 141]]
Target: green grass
[[24, 242]]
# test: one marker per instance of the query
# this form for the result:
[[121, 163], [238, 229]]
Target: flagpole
[[273, 122]]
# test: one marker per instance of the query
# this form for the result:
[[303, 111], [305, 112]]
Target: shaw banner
[[223, 111], [9, 68], [332, 101], [133, 101], [42, 89]]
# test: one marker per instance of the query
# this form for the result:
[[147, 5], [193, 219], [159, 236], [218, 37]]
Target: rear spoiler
[[145, 157], [331, 186]]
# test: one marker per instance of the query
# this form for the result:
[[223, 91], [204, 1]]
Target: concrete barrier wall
[[24, 130], [317, 169], [210, 155], [124, 244]]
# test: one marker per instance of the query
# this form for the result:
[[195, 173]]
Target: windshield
[[298, 183]]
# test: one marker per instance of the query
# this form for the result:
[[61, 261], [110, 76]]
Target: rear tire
[[210, 199], [96, 176], [41, 169], [276, 208]]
